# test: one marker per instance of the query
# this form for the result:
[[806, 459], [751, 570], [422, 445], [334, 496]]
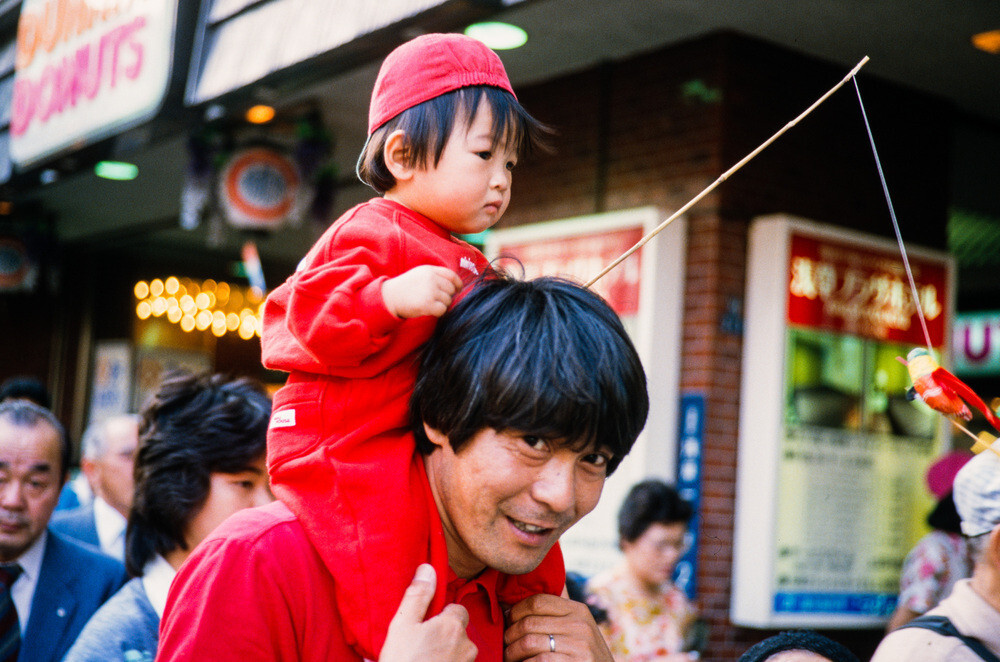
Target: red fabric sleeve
[[251, 591], [330, 314]]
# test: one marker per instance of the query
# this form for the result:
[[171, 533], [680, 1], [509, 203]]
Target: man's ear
[[436, 437], [993, 547], [89, 469], [396, 154]]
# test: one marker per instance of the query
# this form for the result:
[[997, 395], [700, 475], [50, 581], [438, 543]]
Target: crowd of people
[[442, 425]]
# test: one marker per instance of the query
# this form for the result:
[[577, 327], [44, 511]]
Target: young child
[[445, 131]]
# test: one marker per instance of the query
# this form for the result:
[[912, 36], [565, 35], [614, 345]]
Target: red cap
[[941, 473], [429, 66]]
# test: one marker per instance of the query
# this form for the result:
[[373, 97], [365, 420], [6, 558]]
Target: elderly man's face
[[30, 480], [112, 473], [505, 498]]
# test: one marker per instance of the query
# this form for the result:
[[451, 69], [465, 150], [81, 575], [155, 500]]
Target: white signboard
[[830, 489], [87, 70], [646, 291]]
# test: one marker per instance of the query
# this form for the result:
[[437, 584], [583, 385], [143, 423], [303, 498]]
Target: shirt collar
[[109, 522], [485, 581], [31, 560], [156, 578]]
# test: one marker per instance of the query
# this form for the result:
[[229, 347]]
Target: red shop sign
[[580, 257], [854, 288]]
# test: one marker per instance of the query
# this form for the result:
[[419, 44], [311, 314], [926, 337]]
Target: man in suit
[[108, 462], [59, 583]]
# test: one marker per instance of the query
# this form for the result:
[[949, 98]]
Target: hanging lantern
[[258, 188]]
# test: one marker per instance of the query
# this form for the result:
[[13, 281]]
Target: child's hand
[[423, 290]]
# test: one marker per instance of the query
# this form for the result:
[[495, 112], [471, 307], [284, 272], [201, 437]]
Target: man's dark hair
[[193, 426], [545, 357], [428, 126], [799, 640], [650, 502], [26, 388], [27, 414]]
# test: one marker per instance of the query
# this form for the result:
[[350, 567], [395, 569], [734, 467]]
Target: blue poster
[[690, 443]]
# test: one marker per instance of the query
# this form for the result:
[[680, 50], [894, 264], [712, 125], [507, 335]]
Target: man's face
[[228, 494], [30, 480], [112, 473], [505, 498]]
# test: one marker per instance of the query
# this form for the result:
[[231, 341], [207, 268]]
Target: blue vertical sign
[[691, 441]]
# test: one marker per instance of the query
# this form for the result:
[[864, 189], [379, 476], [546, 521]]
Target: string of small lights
[[207, 305]]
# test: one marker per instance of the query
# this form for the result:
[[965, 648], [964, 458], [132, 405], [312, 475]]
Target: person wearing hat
[[798, 646], [528, 395], [445, 131], [965, 626], [941, 557]]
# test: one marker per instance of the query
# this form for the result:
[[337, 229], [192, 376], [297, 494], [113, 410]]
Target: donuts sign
[[85, 70]]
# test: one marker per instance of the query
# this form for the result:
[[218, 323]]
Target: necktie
[[10, 628]]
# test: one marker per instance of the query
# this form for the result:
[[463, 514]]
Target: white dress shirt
[[111, 526], [156, 578], [23, 591]]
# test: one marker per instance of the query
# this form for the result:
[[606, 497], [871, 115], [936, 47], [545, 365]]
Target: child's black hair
[[427, 127], [544, 357]]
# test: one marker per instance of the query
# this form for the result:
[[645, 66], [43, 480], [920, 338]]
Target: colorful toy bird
[[942, 391]]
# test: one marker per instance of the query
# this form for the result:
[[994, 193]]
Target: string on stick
[[895, 224], [724, 176]]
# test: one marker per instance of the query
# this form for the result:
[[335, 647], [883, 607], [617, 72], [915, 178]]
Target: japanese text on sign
[[865, 292]]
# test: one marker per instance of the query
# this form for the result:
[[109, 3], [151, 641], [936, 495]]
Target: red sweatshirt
[[340, 453], [256, 590]]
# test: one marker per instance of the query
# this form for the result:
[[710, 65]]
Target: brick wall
[[659, 128]]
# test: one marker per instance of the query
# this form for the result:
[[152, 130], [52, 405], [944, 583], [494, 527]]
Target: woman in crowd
[[648, 618], [941, 557], [200, 459]]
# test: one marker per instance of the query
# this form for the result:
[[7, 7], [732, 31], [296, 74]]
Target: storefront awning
[[239, 42]]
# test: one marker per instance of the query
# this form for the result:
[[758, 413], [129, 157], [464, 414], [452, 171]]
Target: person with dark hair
[[200, 459], [798, 646], [445, 130], [940, 558], [648, 617], [49, 585], [25, 388], [528, 394]]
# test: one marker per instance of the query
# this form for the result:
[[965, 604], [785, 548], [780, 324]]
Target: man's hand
[[423, 290], [574, 633], [442, 637]]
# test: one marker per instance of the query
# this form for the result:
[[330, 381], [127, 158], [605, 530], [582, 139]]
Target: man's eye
[[486, 156], [511, 165], [536, 443], [597, 460]]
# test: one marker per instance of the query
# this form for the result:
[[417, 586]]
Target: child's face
[[469, 189]]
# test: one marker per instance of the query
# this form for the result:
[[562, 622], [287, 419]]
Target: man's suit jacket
[[78, 524], [73, 582]]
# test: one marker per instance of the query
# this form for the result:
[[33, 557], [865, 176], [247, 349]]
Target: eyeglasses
[[678, 546]]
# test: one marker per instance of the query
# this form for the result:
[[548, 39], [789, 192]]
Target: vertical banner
[[692, 438], [832, 454], [646, 291], [111, 382]]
